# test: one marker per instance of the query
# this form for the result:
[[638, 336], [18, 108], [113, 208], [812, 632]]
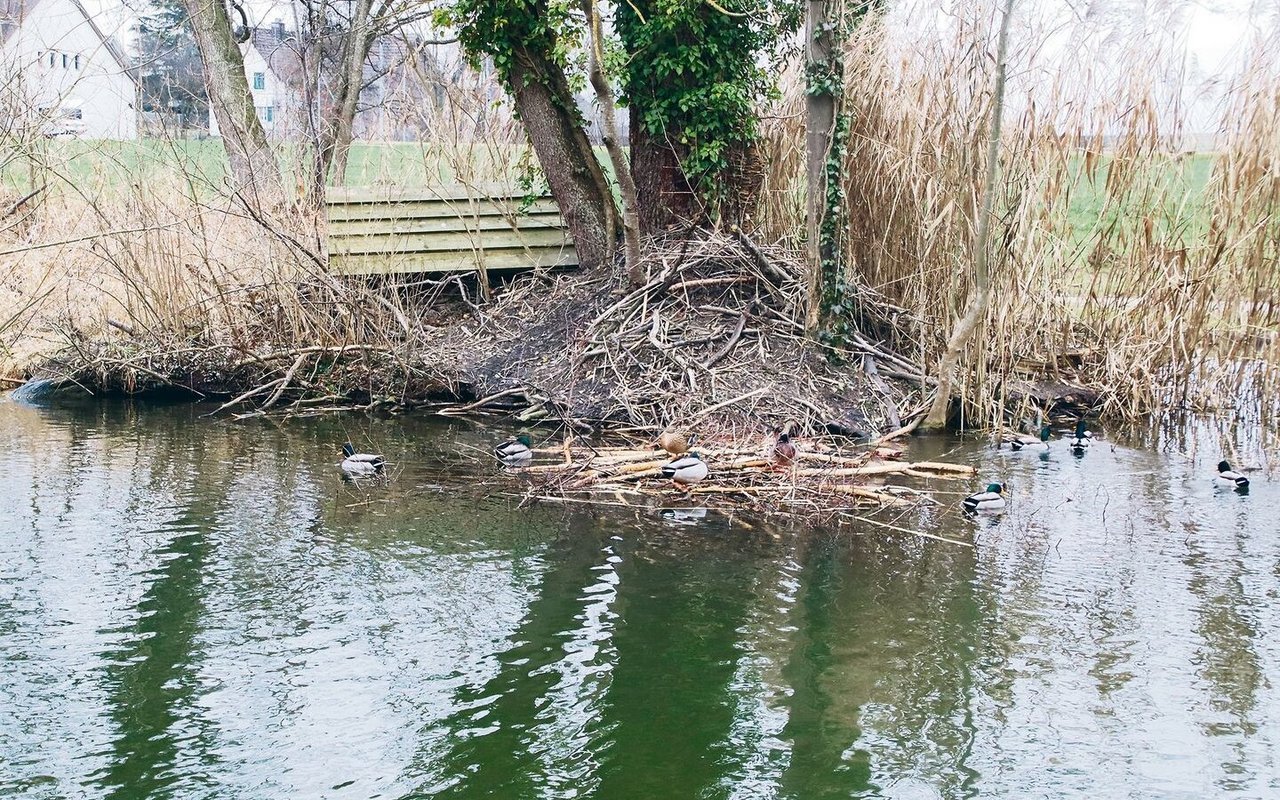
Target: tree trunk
[[820, 119], [255, 174], [981, 298], [333, 134], [547, 109], [609, 126], [663, 196]]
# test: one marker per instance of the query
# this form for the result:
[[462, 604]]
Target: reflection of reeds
[[1115, 263]]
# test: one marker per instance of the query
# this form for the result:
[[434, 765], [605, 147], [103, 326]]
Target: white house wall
[[282, 121], [105, 94]]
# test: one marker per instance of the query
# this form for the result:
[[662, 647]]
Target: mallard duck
[[1229, 476], [675, 442], [784, 452], [1081, 438], [1023, 441], [990, 500], [515, 452], [355, 463], [687, 470]]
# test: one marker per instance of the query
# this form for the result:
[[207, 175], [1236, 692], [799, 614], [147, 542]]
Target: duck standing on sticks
[[515, 452], [676, 442], [686, 470], [990, 500], [1226, 475], [784, 450], [360, 464]]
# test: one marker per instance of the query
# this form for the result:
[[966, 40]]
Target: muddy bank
[[713, 338]]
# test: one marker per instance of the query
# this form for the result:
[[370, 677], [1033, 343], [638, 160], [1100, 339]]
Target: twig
[[921, 534], [733, 341]]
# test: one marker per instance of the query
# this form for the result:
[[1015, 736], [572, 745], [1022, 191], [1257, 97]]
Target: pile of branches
[[255, 381], [713, 340], [823, 481]]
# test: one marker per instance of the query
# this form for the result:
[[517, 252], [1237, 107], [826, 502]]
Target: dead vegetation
[[825, 480], [1124, 267], [712, 339]]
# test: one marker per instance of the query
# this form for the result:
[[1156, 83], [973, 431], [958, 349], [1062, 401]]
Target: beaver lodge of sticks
[[712, 342]]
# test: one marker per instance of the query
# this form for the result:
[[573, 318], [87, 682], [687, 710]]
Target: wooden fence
[[374, 231]]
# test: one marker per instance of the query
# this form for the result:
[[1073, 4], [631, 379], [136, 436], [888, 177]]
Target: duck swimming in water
[[355, 463], [990, 500], [1081, 438], [1022, 441], [1229, 476], [515, 452]]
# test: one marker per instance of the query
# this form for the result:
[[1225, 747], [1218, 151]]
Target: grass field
[[99, 167], [1183, 215]]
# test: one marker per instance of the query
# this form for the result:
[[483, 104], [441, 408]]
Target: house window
[[271, 113], [64, 60], [77, 61], [51, 57], [259, 80]]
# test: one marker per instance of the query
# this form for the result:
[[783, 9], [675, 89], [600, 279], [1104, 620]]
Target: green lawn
[[97, 167], [101, 168], [1179, 184]]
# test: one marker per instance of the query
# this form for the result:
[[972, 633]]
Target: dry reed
[[1111, 268]]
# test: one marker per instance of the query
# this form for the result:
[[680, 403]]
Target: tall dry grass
[[141, 242], [1111, 266]]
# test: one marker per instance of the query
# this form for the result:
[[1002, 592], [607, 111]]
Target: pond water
[[197, 608]]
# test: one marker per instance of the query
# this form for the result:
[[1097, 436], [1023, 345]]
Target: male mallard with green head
[[515, 452], [686, 470], [354, 463], [990, 500], [1022, 441], [1082, 437], [1226, 475]]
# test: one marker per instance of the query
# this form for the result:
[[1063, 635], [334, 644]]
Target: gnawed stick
[[483, 401], [943, 466], [921, 534]]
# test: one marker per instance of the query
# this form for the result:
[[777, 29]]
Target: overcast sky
[[1212, 32], [1214, 28]]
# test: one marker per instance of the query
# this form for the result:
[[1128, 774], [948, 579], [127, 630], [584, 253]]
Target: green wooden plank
[[447, 242], [449, 262], [434, 209], [382, 194], [385, 227]]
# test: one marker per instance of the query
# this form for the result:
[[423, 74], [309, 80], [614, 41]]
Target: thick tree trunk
[[255, 174], [820, 119], [663, 197], [546, 107]]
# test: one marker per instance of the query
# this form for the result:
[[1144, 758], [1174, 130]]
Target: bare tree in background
[[334, 43], [254, 171], [170, 73]]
